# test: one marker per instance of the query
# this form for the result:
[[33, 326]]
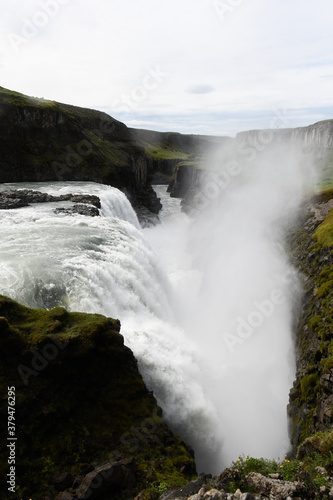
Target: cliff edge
[[44, 140]]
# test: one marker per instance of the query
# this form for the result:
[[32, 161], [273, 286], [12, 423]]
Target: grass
[[165, 153], [316, 451], [324, 233]]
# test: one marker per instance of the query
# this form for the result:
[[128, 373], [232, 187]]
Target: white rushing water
[[205, 305]]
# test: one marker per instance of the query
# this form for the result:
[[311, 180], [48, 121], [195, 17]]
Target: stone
[[188, 490], [109, 478], [275, 487], [214, 495], [87, 210], [275, 476]]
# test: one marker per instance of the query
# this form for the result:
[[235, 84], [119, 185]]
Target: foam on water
[[183, 291]]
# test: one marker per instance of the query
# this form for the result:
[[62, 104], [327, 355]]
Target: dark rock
[[81, 198], [9, 203], [86, 210], [184, 177], [63, 481], [149, 200], [146, 217], [189, 489], [108, 479], [86, 204]]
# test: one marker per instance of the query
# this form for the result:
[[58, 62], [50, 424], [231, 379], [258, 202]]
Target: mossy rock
[[80, 401], [310, 246]]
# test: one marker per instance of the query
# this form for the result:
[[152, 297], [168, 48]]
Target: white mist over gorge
[[206, 303]]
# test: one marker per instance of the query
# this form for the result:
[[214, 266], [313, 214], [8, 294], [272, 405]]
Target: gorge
[[207, 301]]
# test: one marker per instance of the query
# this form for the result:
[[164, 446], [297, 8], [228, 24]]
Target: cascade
[[206, 304]]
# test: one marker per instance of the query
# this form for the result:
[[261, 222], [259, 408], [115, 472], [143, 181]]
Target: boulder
[[275, 488]]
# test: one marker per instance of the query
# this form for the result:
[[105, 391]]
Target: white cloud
[[264, 54]]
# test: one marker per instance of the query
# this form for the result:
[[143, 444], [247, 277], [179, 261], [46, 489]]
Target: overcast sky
[[192, 66]]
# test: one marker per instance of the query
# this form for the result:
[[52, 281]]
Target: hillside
[[48, 141]]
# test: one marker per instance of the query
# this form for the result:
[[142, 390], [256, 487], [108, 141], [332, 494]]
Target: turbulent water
[[205, 305]]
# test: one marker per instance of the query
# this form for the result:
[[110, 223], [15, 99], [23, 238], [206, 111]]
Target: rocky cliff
[[311, 243], [316, 139], [170, 151], [82, 416], [317, 135], [47, 141]]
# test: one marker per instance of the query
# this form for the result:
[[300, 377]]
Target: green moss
[[324, 233], [310, 386], [314, 322], [314, 331]]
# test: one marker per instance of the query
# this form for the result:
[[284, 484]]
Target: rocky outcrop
[[276, 488], [16, 198], [164, 169], [185, 177], [80, 209], [48, 141], [85, 420], [88, 204], [168, 150]]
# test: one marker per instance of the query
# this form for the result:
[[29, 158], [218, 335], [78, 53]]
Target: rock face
[[48, 141], [85, 419], [170, 151], [184, 178], [311, 398], [244, 149], [318, 135]]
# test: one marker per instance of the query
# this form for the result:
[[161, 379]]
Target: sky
[[192, 66]]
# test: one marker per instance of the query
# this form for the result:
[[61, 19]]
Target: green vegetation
[[165, 153], [315, 453], [324, 233], [324, 162]]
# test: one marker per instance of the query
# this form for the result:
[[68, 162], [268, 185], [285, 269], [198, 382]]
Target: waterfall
[[206, 304], [106, 265]]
